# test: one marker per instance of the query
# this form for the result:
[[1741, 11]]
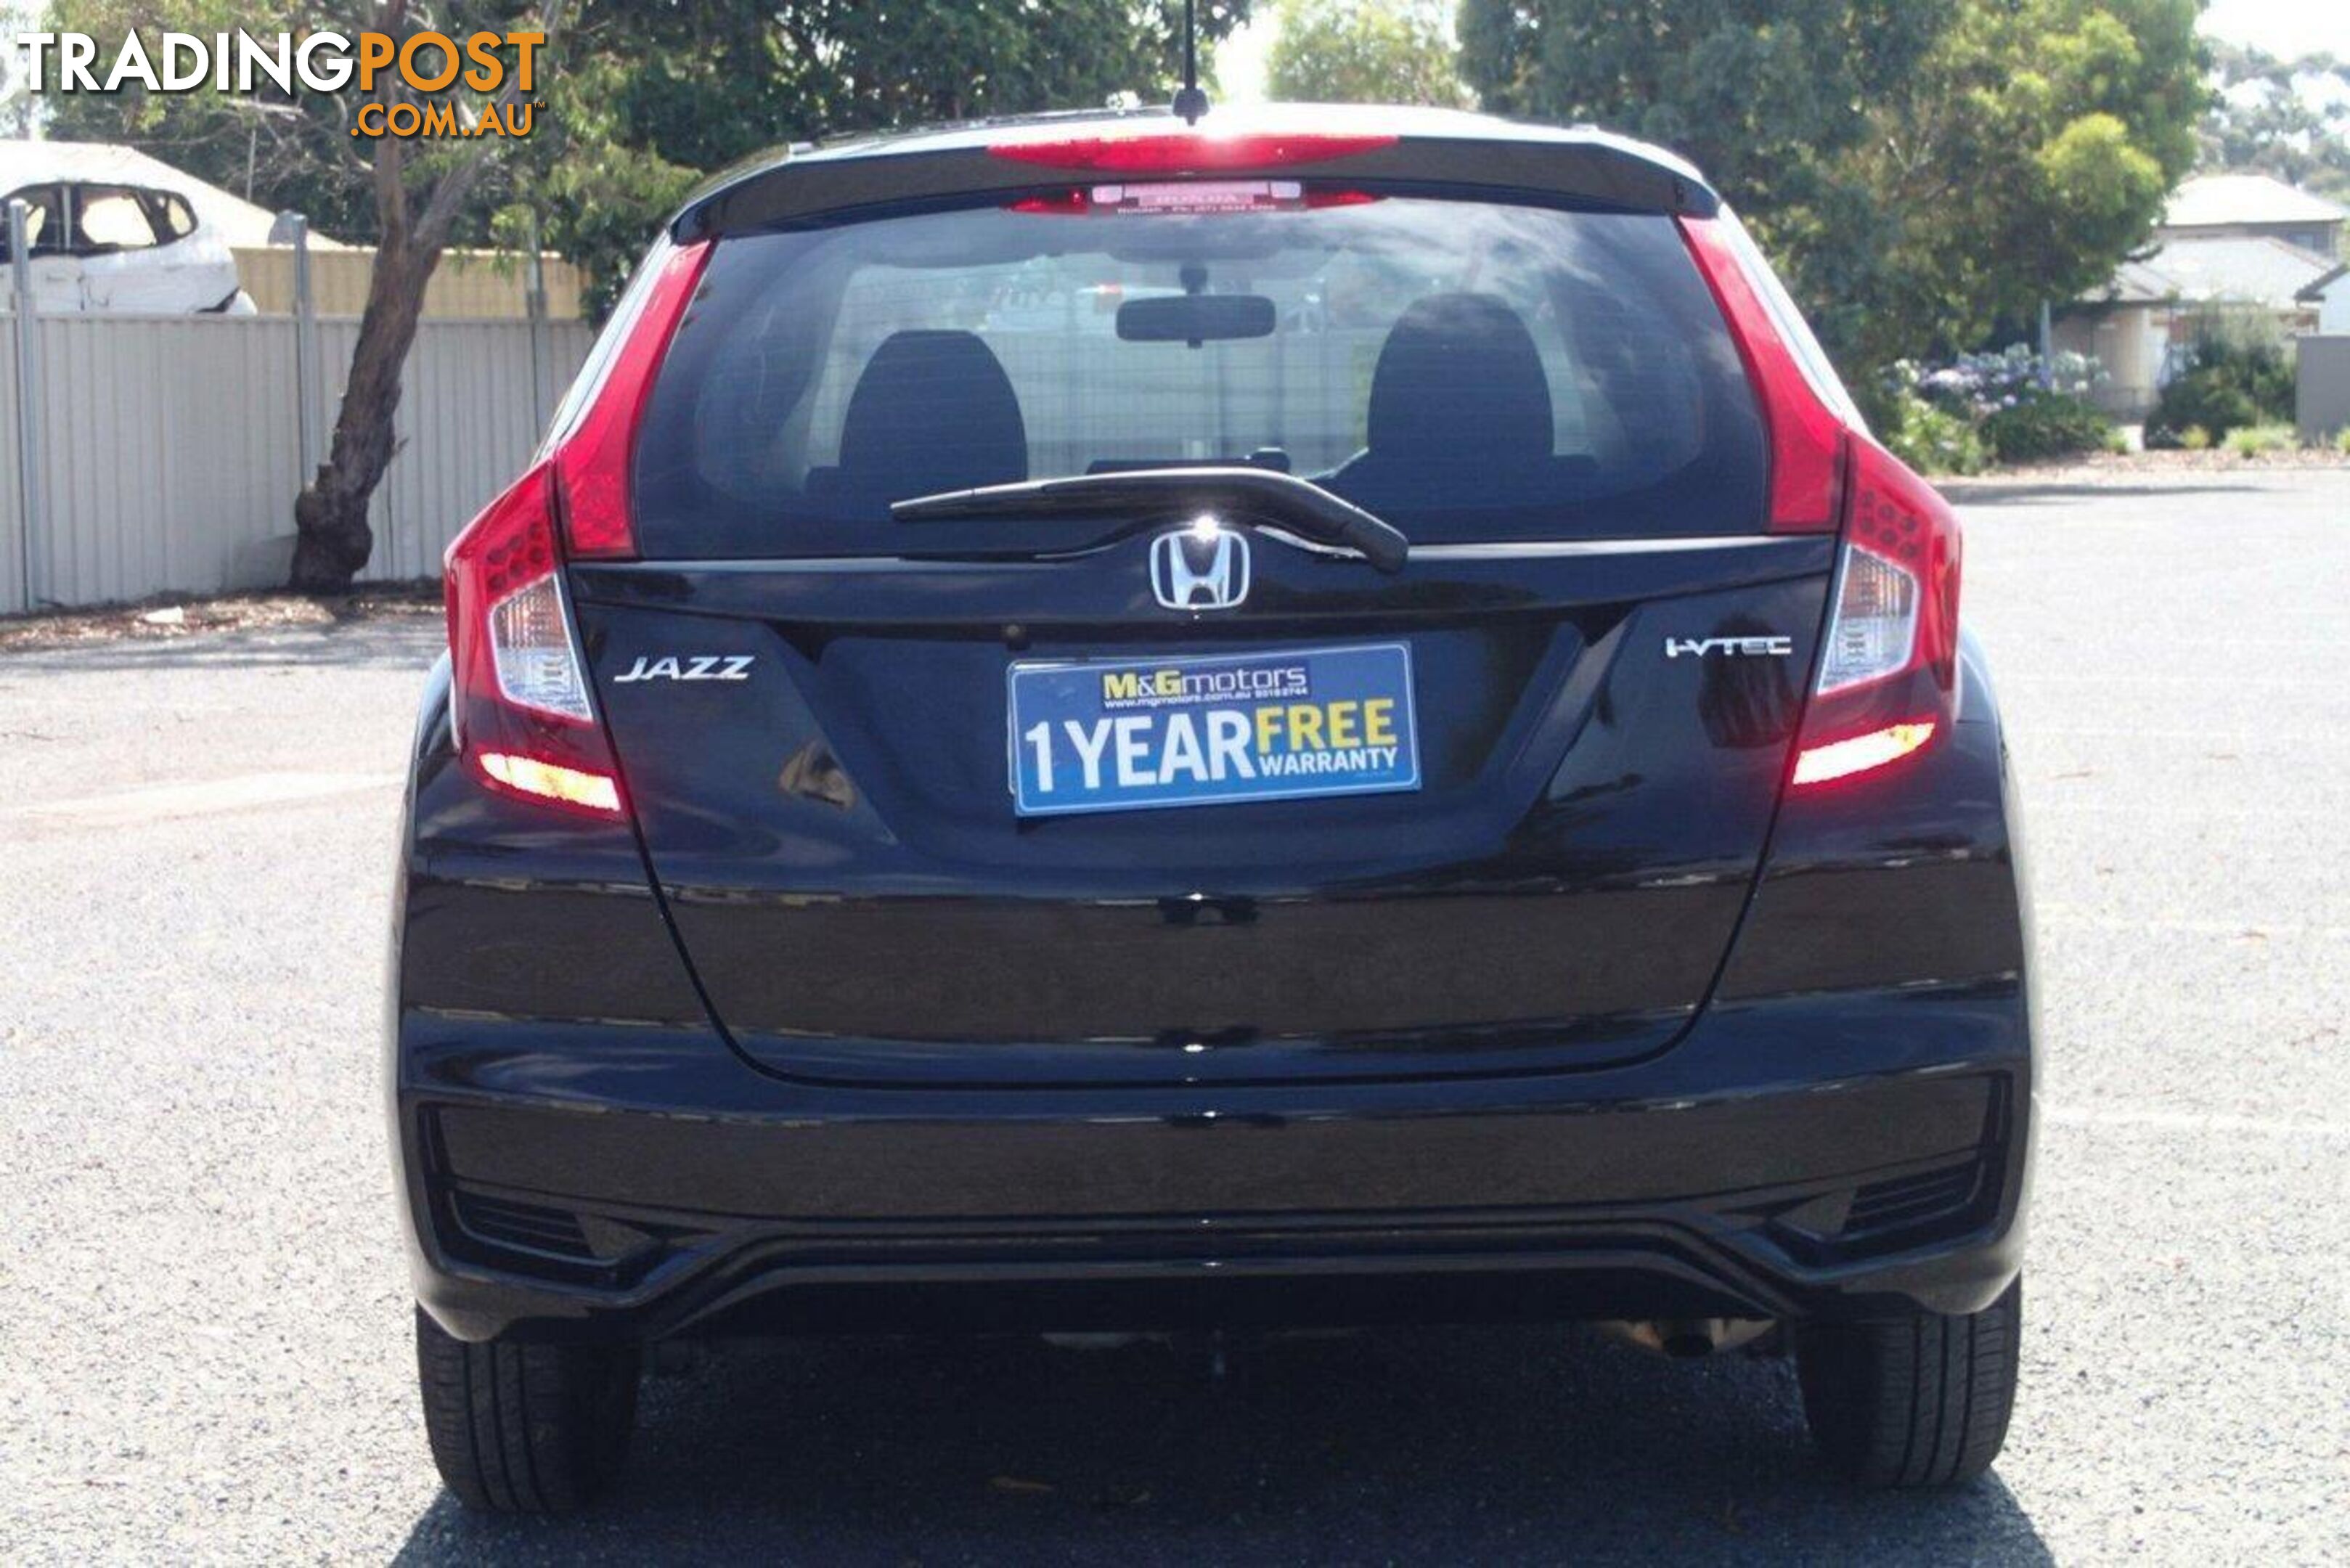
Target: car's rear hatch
[[879, 762]]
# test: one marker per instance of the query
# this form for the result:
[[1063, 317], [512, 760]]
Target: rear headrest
[[1458, 385], [933, 410]]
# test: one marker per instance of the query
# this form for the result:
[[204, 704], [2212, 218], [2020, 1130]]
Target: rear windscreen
[[1469, 370]]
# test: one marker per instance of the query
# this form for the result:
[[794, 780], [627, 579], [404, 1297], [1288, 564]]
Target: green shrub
[[2237, 375], [2199, 400], [2256, 441], [2043, 424], [1929, 439], [2342, 441], [2195, 438]]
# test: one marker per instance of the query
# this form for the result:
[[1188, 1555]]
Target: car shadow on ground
[[1477, 1445]]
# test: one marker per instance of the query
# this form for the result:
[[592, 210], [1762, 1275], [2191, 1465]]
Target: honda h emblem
[[1200, 568]]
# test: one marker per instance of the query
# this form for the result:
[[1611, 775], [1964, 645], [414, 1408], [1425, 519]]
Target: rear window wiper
[[1249, 495]]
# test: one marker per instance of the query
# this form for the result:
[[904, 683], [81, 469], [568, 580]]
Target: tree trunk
[[332, 539]]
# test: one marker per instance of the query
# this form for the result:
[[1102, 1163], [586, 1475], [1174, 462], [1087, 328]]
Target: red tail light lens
[[521, 706], [597, 454], [1888, 674], [519, 698], [1900, 560], [1188, 152], [1807, 436]]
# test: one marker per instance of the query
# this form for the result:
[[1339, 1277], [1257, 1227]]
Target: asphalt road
[[203, 1340]]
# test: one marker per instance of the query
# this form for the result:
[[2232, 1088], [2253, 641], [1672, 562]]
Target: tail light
[[521, 704], [1807, 428], [1888, 674]]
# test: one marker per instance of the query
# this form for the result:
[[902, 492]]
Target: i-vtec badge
[[705, 666], [1730, 647]]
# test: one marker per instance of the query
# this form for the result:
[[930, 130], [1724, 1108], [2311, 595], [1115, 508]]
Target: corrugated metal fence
[[12, 521], [170, 446]]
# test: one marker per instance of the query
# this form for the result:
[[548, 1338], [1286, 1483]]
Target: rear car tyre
[[1920, 1402], [525, 1429]]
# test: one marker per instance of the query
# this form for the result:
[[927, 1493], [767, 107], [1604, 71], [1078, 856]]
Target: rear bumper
[[1826, 1156]]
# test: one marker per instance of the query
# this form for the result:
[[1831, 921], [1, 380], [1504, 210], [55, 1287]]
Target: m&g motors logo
[[1176, 686], [501, 66]]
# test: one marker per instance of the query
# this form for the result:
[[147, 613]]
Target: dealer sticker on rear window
[[1103, 735]]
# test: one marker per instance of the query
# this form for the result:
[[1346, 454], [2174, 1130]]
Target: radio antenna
[[1190, 102]]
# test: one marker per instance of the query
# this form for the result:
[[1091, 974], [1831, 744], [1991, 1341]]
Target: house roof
[[2318, 289], [2138, 283], [235, 219], [2214, 201], [2239, 269]]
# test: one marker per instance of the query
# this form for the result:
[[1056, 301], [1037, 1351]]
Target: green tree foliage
[[649, 94], [2290, 119], [15, 97], [636, 100], [641, 98], [1366, 51], [1926, 171]]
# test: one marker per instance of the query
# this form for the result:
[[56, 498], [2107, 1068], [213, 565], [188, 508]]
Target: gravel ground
[[203, 1348]]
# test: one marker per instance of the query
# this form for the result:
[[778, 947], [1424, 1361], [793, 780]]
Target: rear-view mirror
[[1195, 317]]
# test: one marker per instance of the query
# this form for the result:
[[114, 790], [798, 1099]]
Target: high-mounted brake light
[[1807, 436], [1188, 198], [1189, 153]]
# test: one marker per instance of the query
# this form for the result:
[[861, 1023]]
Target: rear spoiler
[[1578, 165]]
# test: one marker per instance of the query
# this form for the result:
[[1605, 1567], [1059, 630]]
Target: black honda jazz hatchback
[[1310, 718]]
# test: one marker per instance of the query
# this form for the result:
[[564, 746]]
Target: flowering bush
[[1979, 385], [2014, 405], [1927, 437]]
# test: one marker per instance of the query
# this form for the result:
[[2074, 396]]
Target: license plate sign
[[1138, 733]]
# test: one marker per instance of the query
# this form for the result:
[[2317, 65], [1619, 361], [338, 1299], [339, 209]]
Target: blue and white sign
[[1129, 734]]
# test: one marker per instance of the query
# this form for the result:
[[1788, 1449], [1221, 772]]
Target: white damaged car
[[109, 229]]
